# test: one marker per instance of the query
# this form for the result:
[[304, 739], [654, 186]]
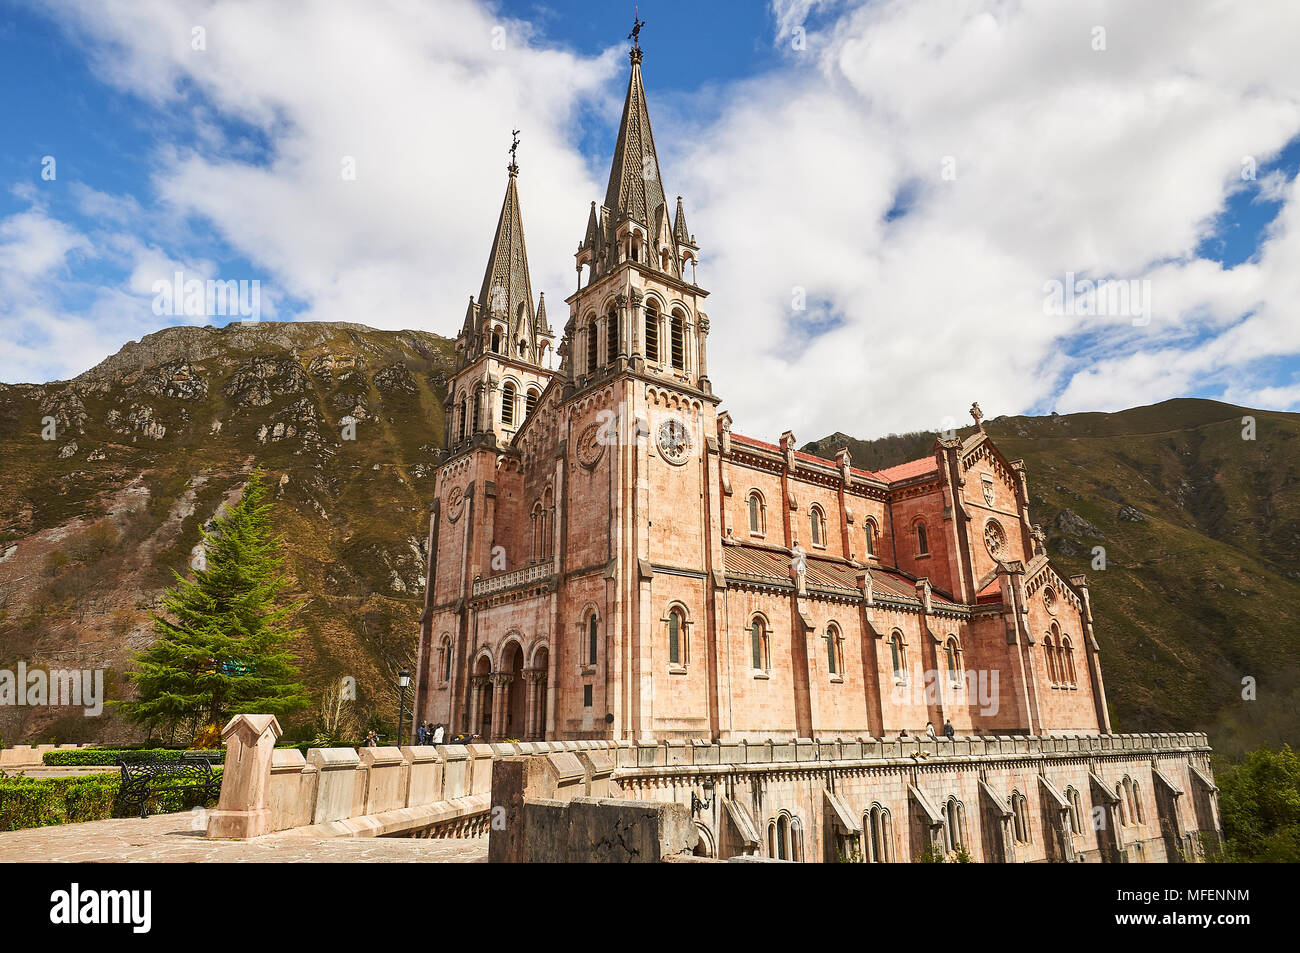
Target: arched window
[[1049, 653], [1067, 653], [496, 341], [834, 650], [508, 403], [530, 402], [478, 402], [952, 654], [1137, 802], [444, 659], [592, 344], [464, 418], [878, 832], [1078, 812], [652, 332], [1076, 821], [1020, 817], [757, 514], [871, 537], [539, 529], [593, 638], [954, 818], [678, 637], [785, 837], [922, 540], [760, 649], [679, 341], [1123, 805], [611, 337], [817, 525], [898, 654]]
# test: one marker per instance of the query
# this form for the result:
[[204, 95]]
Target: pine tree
[[221, 636]]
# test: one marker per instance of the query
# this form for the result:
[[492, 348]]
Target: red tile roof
[[904, 471], [822, 573]]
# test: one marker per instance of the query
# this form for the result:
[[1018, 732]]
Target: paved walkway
[[171, 838]]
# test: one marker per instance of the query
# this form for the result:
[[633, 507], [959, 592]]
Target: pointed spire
[[635, 189], [543, 326], [507, 292], [680, 231]]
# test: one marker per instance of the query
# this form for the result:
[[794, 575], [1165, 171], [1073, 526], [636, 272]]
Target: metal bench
[[142, 780]]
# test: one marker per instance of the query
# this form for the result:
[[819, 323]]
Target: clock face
[[455, 503], [590, 446], [674, 440], [995, 538]]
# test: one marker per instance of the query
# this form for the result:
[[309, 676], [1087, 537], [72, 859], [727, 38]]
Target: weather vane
[[637, 23], [514, 146]]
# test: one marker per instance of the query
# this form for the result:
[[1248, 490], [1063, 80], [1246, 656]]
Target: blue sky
[[814, 165]]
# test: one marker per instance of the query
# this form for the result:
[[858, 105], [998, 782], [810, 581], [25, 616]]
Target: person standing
[[948, 730], [421, 734], [929, 731], [437, 734]]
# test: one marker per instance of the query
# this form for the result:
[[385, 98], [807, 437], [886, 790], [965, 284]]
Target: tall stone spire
[[505, 303], [635, 189]]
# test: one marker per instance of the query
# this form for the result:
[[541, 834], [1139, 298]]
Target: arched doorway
[[540, 667], [481, 707], [514, 706]]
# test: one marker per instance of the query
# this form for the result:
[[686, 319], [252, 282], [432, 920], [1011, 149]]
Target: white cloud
[[1105, 163]]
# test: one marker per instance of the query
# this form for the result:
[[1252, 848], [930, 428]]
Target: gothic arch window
[[530, 402], [1067, 656], [954, 824], [898, 656], [785, 837], [952, 655], [464, 418], [922, 539], [870, 526], [678, 341], [593, 637], [757, 514], [1076, 818], [592, 344], [444, 659], [611, 337], [679, 640], [478, 402], [496, 340], [1049, 653], [1137, 802], [834, 651], [508, 403], [539, 530], [1019, 817], [817, 526], [878, 834], [759, 644], [652, 332]]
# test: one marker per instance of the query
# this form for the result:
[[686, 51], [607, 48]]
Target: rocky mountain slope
[[1201, 532], [109, 477]]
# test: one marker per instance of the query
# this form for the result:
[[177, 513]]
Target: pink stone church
[[610, 560]]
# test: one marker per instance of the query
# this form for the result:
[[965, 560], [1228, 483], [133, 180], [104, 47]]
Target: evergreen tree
[[221, 636]]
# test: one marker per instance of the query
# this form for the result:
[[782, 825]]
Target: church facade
[[610, 559]]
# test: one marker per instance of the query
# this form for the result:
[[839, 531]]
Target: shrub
[[112, 757], [45, 802]]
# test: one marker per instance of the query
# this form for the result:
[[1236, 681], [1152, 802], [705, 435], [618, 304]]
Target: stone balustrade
[[447, 790], [509, 580]]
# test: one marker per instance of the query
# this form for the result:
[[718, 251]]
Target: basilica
[[610, 559]]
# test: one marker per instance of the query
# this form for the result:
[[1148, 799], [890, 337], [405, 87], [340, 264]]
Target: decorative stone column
[[500, 700], [242, 811]]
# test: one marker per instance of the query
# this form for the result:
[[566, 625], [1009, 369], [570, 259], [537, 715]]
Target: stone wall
[[1115, 798]]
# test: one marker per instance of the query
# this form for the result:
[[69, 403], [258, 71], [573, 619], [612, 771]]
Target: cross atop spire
[[635, 189], [635, 36]]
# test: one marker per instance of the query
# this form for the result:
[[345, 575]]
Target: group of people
[[948, 731], [427, 733]]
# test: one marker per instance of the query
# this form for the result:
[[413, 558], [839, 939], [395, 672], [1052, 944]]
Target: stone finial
[[923, 593], [242, 811], [978, 415], [1040, 539]]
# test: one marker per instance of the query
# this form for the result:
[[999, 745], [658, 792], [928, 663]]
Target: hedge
[[112, 757], [43, 802]]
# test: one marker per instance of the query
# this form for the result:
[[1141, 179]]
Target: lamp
[[702, 804], [403, 680]]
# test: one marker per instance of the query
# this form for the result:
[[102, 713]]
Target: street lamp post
[[403, 679]]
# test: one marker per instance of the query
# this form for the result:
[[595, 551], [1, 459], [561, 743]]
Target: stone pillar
[[242, 811], [500, 704], [476, 704]]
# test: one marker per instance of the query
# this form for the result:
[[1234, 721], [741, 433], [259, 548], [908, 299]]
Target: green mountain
[[1200, 595], [1201, 528], [147, 445]]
